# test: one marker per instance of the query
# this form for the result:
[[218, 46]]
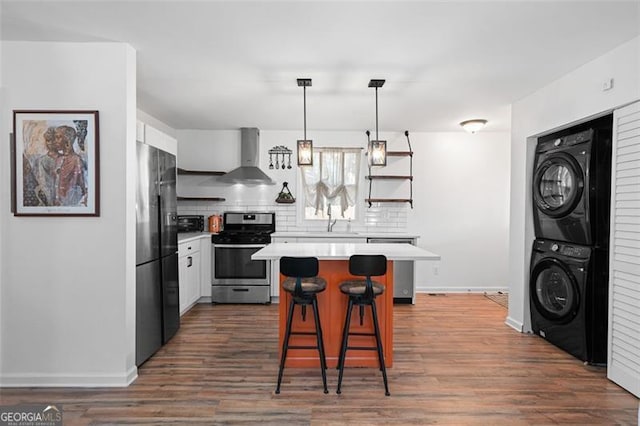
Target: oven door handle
[[239, 245]]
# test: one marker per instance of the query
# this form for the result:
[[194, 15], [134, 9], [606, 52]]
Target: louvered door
[[624, 279]]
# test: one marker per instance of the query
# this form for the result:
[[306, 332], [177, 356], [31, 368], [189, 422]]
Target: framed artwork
[[55, 163]]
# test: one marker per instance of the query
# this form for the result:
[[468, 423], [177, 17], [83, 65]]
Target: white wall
[[462, 209], [68, 283], [461, 191], [573, 98]]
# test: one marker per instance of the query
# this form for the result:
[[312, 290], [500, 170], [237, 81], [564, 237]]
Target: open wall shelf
[[371, 177], [399, 153], [184, 172], [396, 177], [199, 172], [389, 200], [201, 199]]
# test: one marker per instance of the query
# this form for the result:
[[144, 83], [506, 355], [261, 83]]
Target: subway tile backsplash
[[387, 217]]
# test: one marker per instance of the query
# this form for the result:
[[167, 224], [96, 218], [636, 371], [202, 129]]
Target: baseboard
[[516, 325], [461, 289], [68, 380]]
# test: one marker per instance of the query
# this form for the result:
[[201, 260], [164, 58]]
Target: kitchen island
[[334, 267]]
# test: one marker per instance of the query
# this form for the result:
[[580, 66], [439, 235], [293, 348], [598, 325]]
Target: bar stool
[[303, 284], [363, 292]]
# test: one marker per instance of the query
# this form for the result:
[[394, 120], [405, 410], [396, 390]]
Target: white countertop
[[338, 234], [184, 237], [341, 251]]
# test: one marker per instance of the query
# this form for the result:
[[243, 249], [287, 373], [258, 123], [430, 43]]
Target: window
[[332, 180]]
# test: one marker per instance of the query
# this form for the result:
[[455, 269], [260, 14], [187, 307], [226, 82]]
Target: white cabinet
[[189, 272], [154, 137]]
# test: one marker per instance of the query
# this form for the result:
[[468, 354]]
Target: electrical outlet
[[435, 270], [607, 85]]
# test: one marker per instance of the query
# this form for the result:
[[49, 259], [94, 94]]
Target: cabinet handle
[[240, 289], [190, 259]]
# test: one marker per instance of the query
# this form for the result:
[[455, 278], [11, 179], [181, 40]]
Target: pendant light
[[377, 149], [305, 146]]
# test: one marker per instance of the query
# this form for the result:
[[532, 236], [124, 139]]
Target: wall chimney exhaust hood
[[248, 173]]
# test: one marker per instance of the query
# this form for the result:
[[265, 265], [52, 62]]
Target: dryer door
[[554, 290], [557, 185]]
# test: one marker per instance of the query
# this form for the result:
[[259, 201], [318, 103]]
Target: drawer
[[240, 294], [189, 247]]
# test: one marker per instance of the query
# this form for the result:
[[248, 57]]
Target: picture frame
[[305, 152], [55, 163]]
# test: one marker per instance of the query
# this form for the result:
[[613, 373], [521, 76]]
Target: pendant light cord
[[304, 97], [377, 138]]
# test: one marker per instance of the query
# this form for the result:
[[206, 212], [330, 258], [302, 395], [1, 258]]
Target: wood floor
[[455, 363]]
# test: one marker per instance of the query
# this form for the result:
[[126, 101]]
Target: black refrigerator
[[157, 303]]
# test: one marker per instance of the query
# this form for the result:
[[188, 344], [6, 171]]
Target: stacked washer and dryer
[[568, 284]]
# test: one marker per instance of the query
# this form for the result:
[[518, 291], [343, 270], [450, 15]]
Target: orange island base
[[332, 304]]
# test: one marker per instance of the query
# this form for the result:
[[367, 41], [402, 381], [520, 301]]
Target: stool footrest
[[361, 334], [303, 333], [363, 348], [303, 347]]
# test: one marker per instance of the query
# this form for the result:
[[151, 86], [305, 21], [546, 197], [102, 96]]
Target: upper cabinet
[[156, 138]]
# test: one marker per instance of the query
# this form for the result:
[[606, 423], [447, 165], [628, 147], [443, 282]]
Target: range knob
[[554, 247], [557, 142]]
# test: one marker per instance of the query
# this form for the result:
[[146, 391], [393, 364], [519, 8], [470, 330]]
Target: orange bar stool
[[303, 284], [363, 292]]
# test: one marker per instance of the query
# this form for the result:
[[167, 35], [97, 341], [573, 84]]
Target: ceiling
[[230, 64]]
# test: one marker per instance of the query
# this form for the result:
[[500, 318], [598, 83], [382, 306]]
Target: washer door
[[554, 290], [557, 185]]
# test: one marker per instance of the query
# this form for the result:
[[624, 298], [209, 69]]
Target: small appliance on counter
[[215, 223], [190, 223]]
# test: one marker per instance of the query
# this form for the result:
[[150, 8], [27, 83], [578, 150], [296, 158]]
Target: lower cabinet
[[189, 271]]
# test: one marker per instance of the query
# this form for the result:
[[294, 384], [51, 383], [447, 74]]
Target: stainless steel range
[[235, 277]]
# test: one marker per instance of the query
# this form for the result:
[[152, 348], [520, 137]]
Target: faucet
[[330, 224]]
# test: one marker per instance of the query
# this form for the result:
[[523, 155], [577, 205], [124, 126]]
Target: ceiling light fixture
[[474, 125], [377, 149], [305, 146]]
